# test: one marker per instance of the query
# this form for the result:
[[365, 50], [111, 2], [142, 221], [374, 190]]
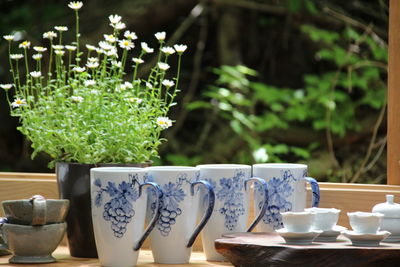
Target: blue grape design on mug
[[230, 191], [279, 189], [173, 194], [119, 210]]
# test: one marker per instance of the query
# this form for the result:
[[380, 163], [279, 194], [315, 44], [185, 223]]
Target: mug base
[[32, 259]]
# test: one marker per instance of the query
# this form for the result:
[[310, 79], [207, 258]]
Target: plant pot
[[74, 184]]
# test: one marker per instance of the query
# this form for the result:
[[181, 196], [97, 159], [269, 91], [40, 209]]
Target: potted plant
[[85, 111]]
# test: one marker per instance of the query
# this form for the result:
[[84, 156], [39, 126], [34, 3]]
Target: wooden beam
[[393, 132]]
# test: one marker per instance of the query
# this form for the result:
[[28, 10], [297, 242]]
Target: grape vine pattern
[[118, 210], [279, 189], [230, 192]]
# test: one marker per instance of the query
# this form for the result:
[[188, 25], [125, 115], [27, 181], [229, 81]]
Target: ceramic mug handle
[[315, 191], [156, 215], [39, 210], [263, 209], [207, 214]]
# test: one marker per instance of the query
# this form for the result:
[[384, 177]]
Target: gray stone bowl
[[21, 211], [32, 244]]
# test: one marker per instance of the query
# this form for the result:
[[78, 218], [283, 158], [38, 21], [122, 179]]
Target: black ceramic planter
[[74, 184]]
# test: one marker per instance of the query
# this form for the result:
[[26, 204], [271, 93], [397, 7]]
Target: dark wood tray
[[269, 249]]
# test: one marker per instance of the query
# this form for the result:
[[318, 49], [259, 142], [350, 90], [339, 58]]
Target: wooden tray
[[269, 249]]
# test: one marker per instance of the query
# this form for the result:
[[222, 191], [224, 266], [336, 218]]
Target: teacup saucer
[[330, 235], [296, 238], [365, 240]]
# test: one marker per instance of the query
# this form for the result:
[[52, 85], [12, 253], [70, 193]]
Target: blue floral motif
[[279, 189], [230, 192], [173, 194], [119, 210]]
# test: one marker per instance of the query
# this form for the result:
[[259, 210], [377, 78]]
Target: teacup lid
[[388, 208]]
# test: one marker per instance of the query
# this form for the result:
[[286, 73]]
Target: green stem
[[51, 60], [77, 38]]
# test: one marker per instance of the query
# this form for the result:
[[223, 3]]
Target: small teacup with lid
[[325, 219], [298, 222], [391, 220], [365, 222]]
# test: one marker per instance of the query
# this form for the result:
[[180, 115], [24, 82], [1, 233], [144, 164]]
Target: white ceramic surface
[[330, 235], [365, 222], [296, 238], [391, 220], [286, 192], [366, 240], [325, 218], [231, 210], [299, 222], [179, 213], [118, 213]]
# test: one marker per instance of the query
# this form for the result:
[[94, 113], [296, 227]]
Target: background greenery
[[262, 81]]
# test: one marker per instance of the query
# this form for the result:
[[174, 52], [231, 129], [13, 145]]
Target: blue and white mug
[[119, 213], [231, 211], [176, 229], [286, 192]]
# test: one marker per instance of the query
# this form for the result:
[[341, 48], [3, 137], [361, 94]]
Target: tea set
[[172, 205]]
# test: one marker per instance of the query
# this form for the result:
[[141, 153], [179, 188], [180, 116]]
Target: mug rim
[[280, 165], [223, 166], [117, 169], [170, 168]]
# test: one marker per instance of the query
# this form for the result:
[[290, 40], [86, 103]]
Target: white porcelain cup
[[119, 213], [172, 239], [231, 211], [365, 222], [325, 218], [298, 222], [286, 192]]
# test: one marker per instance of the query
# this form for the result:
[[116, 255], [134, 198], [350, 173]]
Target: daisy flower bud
[[180, 48], [160, 36], [59, 52], [61, 28], [168, 50], [35, 74], [168, 83], [39, 49], [120, 26], [37, 56], [70, 47], [146, 48], [163, 66], [75, 5], [137, 60], [90, 47], [79, 69], [92, 65], [58, 47], [114, 19]]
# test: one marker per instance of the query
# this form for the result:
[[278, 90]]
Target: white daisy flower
[[61, 28], [164, 122], [95, 92], [39, 49], [135, 100], [163, 66], [167, 50], [37, 56], [126, 44], [77, 98], [130, 35], [9, 37], [117, 64], [58, 47], [35, 74], [16, 56], [25, 44], [89, 83], [70, 47], [120, 26], [90, 47], [105, 45], [114, 19], [137, 60], [110, 38], [112, 52], [79, 69], [75, 5], [92, 65], [99, 50], [180, 48], [59, 52], [168, 83], [146, 48], [7, 86], [149, 85], [160, 36], [93, 59], [18, 102], [49, 35], [128, 85]]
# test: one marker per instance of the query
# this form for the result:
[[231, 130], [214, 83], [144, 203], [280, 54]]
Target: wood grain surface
[[262, 249]]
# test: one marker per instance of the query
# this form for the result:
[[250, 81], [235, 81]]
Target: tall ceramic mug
[[286, 191], [176, 228], [119, 213], [231, 211]]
